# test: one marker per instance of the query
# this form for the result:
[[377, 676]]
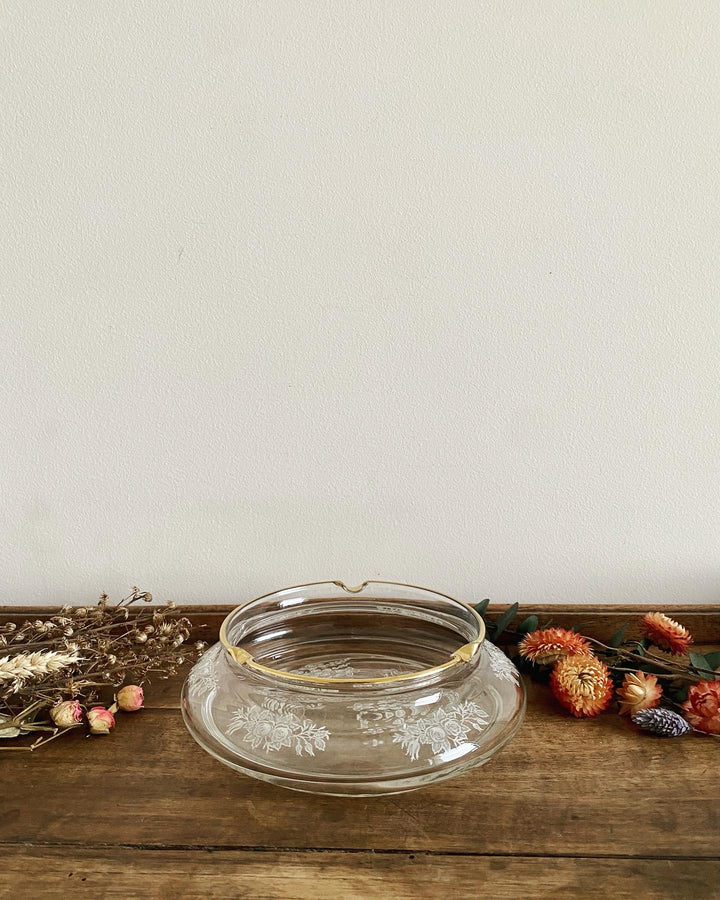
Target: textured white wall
[[425, 291]]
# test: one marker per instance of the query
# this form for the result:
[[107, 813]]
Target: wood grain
[[124, 873], [561, 787]]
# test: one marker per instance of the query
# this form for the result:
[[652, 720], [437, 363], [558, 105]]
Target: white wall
[[417, 290]]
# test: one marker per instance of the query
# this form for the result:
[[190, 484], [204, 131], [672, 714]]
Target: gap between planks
[[102, 847]]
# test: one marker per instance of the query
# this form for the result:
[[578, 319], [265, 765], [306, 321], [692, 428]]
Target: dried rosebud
[[130, 698], [100, 720], [140, 637], [66, 714]]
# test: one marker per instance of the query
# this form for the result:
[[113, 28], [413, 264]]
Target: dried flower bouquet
[[54, 672], [659, 682]]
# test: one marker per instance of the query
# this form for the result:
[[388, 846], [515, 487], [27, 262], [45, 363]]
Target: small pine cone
[[664, 722]]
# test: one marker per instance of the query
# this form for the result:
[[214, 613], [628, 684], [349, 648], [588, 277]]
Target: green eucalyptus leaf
[[619, 636], [504, 620], [713, 659], [481, 607], [698, 660], [677, 693], [528, 625]]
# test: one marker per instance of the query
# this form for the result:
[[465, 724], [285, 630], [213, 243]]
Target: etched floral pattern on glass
[[443, 728], [276, 725], [500, 665]]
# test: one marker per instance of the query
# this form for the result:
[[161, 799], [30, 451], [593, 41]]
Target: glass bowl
[[374, 689]]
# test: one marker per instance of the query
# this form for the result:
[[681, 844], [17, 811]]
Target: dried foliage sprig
[[660, 668], [51, 669]]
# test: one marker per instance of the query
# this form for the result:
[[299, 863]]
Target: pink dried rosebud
[[66, 714], [100, 720], [130, 697]]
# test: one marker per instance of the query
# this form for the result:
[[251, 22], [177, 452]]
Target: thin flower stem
[[669, 675], [661, 663]]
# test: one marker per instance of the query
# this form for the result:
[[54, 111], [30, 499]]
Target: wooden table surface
[[572, 809]]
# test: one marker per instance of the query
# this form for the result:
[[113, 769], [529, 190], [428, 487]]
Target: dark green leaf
[[642, 647], [540, 674], [504, 620], [619, 636], [698, 660], [528, 625], [482, 606], [713, 659], [677, 693]]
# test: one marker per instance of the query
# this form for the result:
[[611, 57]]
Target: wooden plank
[[599, 621], [125, 873], [561, 787]]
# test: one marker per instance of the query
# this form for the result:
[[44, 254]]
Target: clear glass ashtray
[[374, 689]]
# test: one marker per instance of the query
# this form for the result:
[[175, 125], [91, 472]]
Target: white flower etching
[[337, 668], [501, 666], [441, 729], [277, 724], [340, 668], [203, 678]]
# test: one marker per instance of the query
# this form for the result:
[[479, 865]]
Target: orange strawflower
[[638, 691], [702, 707], [666, 633], [550, 644], [581, 682]]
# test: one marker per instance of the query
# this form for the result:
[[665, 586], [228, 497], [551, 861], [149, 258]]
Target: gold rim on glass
[[462, 655]]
